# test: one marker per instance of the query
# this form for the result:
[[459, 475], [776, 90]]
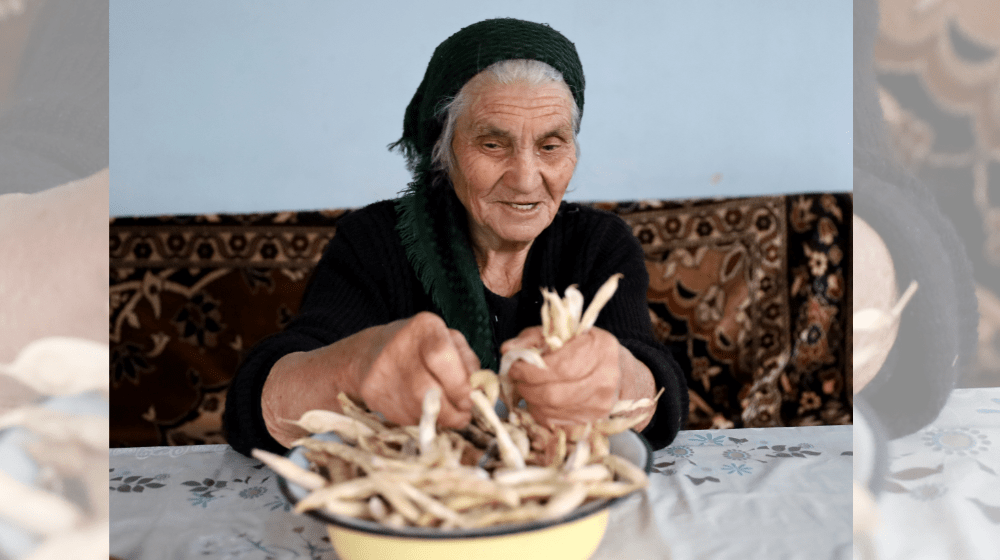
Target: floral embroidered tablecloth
[[720, 494], [941, 496]]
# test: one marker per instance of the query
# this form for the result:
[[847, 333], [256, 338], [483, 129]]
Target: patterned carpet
[[752, 294]]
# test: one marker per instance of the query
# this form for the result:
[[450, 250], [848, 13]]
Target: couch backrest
[[752, 293]]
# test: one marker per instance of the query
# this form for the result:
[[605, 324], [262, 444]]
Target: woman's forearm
[[303, 381]]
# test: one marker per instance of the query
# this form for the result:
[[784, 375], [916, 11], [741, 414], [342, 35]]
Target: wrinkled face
[[514, 156]]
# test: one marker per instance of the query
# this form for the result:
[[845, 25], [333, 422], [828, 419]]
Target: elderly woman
[[421, 291]]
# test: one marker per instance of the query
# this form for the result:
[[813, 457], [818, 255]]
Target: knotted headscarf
[[432, 222]]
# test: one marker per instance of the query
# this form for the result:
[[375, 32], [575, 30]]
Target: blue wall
[[237, 106]]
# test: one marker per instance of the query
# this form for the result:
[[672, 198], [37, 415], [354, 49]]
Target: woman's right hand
[[389, 368]]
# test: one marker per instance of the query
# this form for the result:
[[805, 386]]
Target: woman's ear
[[874, 288]]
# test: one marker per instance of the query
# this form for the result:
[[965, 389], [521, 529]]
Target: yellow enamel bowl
[[576, 535]]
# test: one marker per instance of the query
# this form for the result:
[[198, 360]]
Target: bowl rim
[[373, 528]]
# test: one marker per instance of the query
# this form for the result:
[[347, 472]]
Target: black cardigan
[[364, 279]]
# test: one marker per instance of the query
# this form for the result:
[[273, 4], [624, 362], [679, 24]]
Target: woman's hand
[[584, 378], [415, 355], [388, 367]]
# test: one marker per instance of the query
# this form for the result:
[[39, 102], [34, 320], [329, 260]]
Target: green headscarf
[[432, 222]]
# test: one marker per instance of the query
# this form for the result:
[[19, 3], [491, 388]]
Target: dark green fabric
[[439, 250], [432, 222], [469, 52]]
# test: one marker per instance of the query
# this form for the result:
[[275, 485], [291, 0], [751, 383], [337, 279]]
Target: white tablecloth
[[772, 493], [941, 496]]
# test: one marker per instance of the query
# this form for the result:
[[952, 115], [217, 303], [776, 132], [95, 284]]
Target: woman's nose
[[524, 173]]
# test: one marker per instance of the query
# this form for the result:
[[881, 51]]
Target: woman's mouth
[[516, 206]]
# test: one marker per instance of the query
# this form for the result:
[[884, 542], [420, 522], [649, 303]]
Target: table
[[941, 496], [723, 494]]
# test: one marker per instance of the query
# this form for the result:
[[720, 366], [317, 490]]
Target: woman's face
[[514, 156]]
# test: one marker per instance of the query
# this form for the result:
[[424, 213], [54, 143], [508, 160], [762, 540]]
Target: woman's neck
[[501, 270], [500, 262]]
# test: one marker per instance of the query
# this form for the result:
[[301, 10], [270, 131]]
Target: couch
[[753, 293]]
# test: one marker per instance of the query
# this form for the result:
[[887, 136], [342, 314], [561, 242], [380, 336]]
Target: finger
[[469, 358], [530, 337], [451, 417], [403, 408], [573, 362], [443, 361], [594, 352], [448, 416], [592, 392], [389, 389], [522, 372], [550, 416], [566, 402], [556, 417], [400, 376]]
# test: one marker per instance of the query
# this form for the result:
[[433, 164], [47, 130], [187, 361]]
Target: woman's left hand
[[582, 382]]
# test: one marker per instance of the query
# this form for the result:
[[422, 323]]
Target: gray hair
[[525, 71]]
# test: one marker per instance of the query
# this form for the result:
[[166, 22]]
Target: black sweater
[[364, 279]]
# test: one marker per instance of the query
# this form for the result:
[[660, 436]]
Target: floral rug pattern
[[754, 291]]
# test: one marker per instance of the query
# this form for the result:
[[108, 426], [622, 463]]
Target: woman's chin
[[518, 226], [519, 235]]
